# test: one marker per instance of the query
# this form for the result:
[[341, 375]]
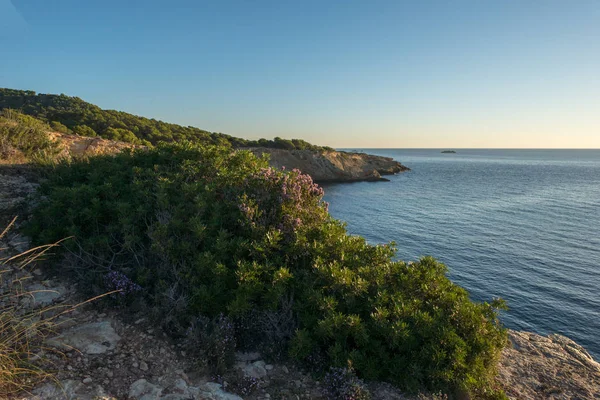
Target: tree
[[84, 130]]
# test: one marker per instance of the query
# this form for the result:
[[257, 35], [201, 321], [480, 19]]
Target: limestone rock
[[144, 390], [70, 390], [247, 357], [539, 367], [333, 166], [255, 370], [214, 391], [91, 338], [43, 296]]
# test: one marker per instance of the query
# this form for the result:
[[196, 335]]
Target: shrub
[[26, 135], [58, 127], [212, 342], [343, 384], [84, 130], [210, 231]]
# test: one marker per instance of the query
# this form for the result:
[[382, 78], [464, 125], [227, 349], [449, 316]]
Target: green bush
[[207, 231], [58, 127], [26, 135]]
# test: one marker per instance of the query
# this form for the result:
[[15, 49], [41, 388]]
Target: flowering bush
[[223, 234], [118, 281]]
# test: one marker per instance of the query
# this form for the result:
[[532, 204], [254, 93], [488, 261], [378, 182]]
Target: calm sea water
[[523, 225]]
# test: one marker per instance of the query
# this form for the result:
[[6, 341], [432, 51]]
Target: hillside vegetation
[[73, 115], [229, 253]]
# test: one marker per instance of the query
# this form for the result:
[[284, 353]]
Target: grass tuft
[[22, 329]]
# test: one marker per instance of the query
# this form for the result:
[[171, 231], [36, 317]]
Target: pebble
[[143, 366], [87, 380]]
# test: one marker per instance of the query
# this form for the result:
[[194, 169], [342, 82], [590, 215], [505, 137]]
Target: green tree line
[[68, 114]]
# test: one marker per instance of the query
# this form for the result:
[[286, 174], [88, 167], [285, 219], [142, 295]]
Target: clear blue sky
[[342, 73]]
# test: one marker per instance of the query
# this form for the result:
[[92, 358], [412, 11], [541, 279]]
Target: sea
[[523, 225]]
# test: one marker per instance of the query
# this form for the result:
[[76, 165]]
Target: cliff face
[[333, 166], [77, 146], [326, 166]]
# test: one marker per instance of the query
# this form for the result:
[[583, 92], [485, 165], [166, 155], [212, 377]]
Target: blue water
[[523, 225]]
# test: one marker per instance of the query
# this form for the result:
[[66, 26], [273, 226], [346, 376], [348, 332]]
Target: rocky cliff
[[77, 146], [323, 166], [333, 166]]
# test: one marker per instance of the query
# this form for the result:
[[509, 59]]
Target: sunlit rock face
[[333, 166]]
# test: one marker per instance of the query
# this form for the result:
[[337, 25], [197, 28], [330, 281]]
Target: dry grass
[[22, 329]]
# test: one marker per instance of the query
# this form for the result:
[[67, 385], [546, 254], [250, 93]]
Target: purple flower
[[116, 280]]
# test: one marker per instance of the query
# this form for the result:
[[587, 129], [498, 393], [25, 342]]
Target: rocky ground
[[104, 354], [548, 367]]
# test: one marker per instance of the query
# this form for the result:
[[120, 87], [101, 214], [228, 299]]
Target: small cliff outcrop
[[323, 166], [333, 166], [78, 146]]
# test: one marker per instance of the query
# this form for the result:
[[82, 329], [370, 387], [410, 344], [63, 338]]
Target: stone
[[69, 390], [20, 243], [180, 386], [247, 357], [92, 338], [144, 390], [255, 370], [87, 380], [143, 366], [214, 391], [533, 364], [43, 296]]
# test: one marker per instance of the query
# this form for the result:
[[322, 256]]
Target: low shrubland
[[209, 239], [24, 138]]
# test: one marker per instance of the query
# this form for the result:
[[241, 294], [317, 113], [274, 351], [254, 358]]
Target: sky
[[350, 74]]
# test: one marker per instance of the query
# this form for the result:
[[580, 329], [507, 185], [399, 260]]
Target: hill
[[68, 114]]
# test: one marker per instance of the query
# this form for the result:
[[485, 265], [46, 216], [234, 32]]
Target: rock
[[285, 369], [87, 380], [333, 166], [268, 367], [43, 296], [214, 391], [143, 366], [255, 370], [247, 357], [92, 338], [69, 390], [535, 366], [144, 390], [180, 386]]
